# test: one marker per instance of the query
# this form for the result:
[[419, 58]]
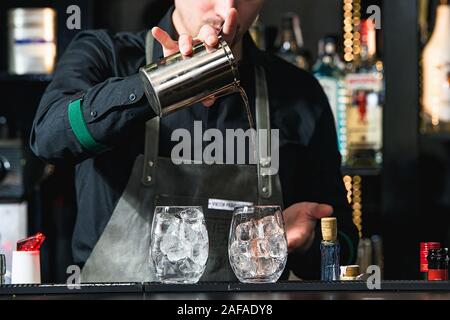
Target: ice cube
[[260, 248], [277, 246], [163, 266], [166, 223], [203, 233], [176, 255], [243, 265], [244, 231], [241, 248], [163, 222], [199, 253], [159, 261], [191, 215], [269, 226], [265, 266], [173, 247], [167, 267], [188, 266], [195, 233], [175, 227], [257, 230], [241, 259]]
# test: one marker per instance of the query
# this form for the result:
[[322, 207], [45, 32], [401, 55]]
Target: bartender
[[95, 115]]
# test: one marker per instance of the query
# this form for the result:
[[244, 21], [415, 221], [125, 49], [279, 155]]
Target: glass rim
[[257, 207], [179, 207]]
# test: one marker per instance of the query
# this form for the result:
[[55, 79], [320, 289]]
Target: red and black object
[[438, 264], [32, 243], [424, 247]]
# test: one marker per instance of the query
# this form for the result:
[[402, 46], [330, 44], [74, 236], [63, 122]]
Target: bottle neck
[[291, 33], [442, 25], [288, 41], [368, 41]]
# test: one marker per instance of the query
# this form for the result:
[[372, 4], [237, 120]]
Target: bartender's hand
[[208, 34], [300, 220]]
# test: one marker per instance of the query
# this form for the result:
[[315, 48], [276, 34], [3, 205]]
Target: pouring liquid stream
[[247, 110], [251, 122]]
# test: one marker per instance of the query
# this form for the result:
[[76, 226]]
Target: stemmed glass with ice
[[179, 244], [257, 245]]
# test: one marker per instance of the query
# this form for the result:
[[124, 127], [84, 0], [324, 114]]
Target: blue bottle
[[330, 250]]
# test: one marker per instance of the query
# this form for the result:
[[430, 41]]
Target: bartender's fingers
[[185, 44], [169, 45], [208, 35], [320, 211], [300, 220], [230, 26]]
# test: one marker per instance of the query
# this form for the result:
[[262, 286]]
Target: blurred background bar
[[395, 142]]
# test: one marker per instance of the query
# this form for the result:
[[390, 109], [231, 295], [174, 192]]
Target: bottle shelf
[[434, 137], [350, 171], [7, 77]]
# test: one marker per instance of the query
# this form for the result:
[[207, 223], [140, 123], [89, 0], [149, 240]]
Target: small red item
[[424, 247], [437, 275], [32, 243]]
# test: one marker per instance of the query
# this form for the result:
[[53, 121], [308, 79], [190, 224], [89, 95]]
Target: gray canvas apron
[[122, 254]]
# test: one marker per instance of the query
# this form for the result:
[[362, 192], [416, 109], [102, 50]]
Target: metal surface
[[175, 82]]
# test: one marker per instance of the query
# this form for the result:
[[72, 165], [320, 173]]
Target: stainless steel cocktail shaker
[[175, 82]]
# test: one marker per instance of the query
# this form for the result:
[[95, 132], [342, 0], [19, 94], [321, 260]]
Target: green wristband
[[80, 128]]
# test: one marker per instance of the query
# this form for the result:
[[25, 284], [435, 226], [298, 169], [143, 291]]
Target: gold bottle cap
[[329, 229]]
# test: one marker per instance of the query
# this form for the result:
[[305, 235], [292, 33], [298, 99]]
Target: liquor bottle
[[330, 250], [436, 75], [329, 71], [425, 247], [438, 264], [378, 257], [290, 42], [365, 98], [364, 254], [257, 33]]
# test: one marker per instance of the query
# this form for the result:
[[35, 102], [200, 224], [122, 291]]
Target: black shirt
[[101, 68]]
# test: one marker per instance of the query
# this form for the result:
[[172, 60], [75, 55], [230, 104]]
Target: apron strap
[[149, 44], [151, 151], [151, 128], [262, 122]]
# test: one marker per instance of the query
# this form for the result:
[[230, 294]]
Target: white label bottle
[[436, 74]]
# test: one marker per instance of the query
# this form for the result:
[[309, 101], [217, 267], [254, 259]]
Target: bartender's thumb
[[321, 211]]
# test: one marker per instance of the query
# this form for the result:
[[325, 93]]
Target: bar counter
[[298, 290]]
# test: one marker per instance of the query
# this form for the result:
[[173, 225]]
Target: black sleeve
[[325, 185], [110, 105]]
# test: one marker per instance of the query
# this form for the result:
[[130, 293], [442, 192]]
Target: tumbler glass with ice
[[257, 246], [179, 244]]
